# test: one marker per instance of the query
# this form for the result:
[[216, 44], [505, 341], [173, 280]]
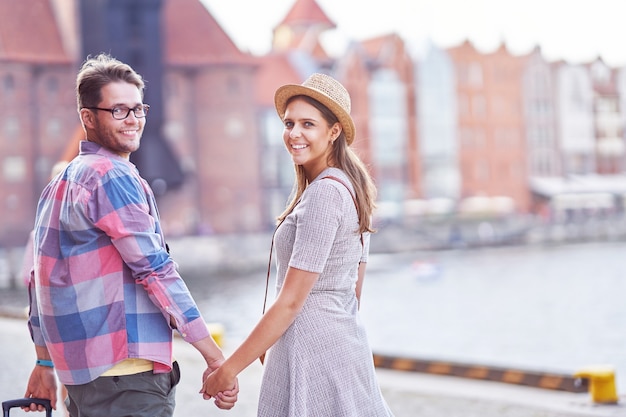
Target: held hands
[[222, 388]]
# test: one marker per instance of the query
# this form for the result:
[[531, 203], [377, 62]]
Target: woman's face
[[308, 137]]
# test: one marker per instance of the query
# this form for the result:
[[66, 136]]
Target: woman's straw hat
[[327, 91]]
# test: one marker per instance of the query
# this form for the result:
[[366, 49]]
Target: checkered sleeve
[[125, 209], [34, 325]]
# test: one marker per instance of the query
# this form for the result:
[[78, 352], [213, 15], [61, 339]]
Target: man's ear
[[87, 117]]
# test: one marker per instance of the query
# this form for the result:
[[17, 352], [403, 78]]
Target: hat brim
[[284, 93]]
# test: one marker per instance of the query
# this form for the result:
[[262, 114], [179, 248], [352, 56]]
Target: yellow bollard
[[217, 332], [601, 383]]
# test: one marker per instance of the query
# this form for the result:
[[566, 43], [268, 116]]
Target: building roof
[[306, 13], [275, 70], [192, 37], [29, 33], [301, 29], [383, 49]]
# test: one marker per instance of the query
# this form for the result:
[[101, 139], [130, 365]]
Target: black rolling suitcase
[[8, 405]]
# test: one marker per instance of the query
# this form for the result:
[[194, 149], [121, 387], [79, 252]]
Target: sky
[[576, 31]]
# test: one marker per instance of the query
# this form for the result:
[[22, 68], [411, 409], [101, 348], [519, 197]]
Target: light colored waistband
[[130, 366]]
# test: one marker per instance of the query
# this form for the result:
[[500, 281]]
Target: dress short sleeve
[[318, 217]]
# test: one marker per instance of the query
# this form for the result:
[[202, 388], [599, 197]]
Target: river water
[[541, 308]]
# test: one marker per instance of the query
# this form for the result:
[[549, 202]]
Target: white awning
[[578, 184]]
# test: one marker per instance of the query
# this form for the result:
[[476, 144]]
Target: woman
[[320, 363]]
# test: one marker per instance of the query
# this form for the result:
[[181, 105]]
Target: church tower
[[301, 29]]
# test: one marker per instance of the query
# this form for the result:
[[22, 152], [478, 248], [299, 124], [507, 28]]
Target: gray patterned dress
[[322, 365]]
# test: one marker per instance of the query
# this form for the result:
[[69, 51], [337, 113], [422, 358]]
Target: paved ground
[[408, 394]]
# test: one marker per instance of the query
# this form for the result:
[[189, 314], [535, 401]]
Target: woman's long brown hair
[[344, 158]]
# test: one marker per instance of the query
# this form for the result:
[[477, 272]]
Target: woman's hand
[[220, 386], [227, 399]]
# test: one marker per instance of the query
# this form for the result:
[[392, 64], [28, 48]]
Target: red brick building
[[209, 115], [492, 145], [217, 116], [37, 109], [211, 124]]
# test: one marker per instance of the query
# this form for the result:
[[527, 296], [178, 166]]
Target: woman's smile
[[307, 136]]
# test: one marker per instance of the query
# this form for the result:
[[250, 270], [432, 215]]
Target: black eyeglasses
[[121, 113]]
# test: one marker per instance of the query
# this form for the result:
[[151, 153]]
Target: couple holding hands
[[105, 294]]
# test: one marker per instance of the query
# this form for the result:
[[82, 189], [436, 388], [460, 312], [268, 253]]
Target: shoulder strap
[[269, 263], [339, 180], [356, 206]]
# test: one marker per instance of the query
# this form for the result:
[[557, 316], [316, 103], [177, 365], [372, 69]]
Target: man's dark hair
[[98, 71]]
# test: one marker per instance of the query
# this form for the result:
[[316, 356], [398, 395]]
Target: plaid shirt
[[104, 286]]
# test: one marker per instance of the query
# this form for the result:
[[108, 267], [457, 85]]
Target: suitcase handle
[[25, 402]]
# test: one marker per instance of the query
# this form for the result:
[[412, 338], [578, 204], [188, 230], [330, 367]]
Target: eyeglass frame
[[146, 108]]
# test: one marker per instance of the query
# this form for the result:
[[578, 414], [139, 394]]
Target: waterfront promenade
[[408, 394]]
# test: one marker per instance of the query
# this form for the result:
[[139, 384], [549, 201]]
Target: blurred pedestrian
[[105, 294], [320, 362]]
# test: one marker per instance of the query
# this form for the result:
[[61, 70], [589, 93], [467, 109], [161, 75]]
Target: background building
[[455, 129]]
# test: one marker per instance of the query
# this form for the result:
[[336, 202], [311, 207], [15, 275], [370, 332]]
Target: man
[[105, 295]]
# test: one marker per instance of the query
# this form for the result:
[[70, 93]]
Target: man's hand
[[42, 384]]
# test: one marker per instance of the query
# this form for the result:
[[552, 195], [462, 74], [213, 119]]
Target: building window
[[53, 128], [12, 202], [11, 128], [233, 85], [135, 23], [503, 74], [542, 81], [515, 172], [14, 169], [234, 126], [498, 106], [577, 97], [480, 139], [467, 137], [464, 107], [273, 130], [8, 84], [475, 75], [172, 87], [600, 73], [137, 57], [481, 171], [470, 74], [473, 138], [543, 137], [606, 105], [509, 138], [174, 131], [53, 86], [479, 106]]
